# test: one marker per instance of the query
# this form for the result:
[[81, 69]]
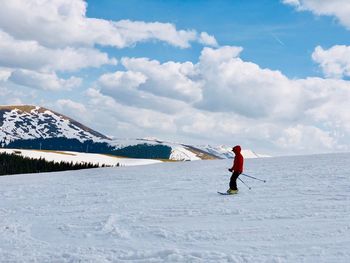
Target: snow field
[[80, 157], [170, 212]]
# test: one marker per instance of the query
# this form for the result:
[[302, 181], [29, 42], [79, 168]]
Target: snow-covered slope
[[170, 212], [79, 157], [31, 122], [181, 153]]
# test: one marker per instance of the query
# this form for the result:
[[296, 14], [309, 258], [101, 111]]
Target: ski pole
[[254, 178], [244, 183]]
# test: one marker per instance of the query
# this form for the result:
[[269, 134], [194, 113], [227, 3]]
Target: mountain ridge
[[34, 127]]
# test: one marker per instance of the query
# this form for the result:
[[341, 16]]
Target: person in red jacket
[[237, 169]]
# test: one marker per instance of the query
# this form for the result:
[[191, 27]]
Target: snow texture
[[171, 212], [182, 154]]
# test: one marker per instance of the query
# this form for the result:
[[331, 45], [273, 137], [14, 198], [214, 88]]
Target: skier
[[236, 169]]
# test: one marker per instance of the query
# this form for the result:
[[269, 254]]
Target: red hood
[[237, 149]]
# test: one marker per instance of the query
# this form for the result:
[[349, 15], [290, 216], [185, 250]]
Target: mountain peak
[[23, 122], [23, 108]]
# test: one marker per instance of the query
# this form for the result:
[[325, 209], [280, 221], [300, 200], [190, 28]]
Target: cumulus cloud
[[148, 84], [334, 62], [225, 53], [40, 38], [329, 104], [73, 109], [14, 94], [291, 2], [137, 31], [124, 87], [61, 23], [232, 85], [338, 8], [234, 99], [208, 40], [128, 119], [120, 80], [45, 81], [171, 79], [29, 54], [5, 74], [302, 138], [71, 106]]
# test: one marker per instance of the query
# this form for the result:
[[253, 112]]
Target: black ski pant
[[233, 183]]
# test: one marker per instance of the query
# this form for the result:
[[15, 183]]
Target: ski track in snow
[[170, 212]]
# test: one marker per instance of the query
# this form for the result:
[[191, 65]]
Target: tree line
[[143, 150], [17, 164]]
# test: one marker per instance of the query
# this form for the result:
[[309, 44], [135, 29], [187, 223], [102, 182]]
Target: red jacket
[[238, 161]]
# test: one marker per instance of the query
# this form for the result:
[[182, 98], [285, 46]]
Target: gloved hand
[[230, 169]]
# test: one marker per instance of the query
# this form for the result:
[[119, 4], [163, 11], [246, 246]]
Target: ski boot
[[231, 191]]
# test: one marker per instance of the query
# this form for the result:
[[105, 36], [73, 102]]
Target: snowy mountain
[[170, 212], [225, 152], [185, 152], [178, 151], [33, 127], [32, 122]]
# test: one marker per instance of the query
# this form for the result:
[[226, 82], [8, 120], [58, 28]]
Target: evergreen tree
[[17, 164]]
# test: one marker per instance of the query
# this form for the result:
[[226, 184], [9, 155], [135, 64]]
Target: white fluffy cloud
[[208, 40], [39, 38], [73, 107], [5, 74], [125, 87], [45, 81], [170, 79], [338, 8], [148, 84], [127, 119], [302, 138], [120, 80], [13, 95], [60, 23], [334, 62], [232, 85], [29, 54], [235, 98]]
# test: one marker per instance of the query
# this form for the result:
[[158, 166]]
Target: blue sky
[[273, 35], [273, 76]]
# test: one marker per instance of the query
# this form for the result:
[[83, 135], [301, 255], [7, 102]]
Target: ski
[[226, 193]]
